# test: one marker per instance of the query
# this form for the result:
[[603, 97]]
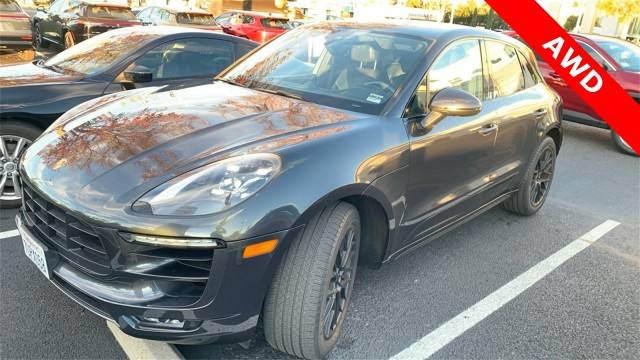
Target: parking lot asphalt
[[589, 307]]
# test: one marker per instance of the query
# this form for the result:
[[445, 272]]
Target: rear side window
[[195, 19], [504, 69], [530, 74], [109, 12]]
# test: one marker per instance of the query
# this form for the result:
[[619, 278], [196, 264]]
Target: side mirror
[[138, 74], [450, 102]]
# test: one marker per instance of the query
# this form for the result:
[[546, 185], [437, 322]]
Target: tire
[[69, 41], [38, 40], [10, 133], [537, 177], [294, 308], [622, 145]]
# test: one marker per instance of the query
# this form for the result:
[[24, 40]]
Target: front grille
[[73, 239]]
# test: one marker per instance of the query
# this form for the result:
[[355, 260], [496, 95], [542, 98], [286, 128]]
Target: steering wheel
[[383, 85]]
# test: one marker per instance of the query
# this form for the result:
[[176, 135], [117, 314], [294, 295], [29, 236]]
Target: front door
[[451, 164]]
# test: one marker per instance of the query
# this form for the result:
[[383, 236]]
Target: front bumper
[[146, 297]]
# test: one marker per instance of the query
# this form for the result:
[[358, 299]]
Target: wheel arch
[[376, 215], [555, 133]]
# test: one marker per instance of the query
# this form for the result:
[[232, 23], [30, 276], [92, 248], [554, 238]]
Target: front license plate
[[35, 251]]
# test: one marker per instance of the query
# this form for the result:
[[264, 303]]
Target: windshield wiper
[[279, 92], [41, 63]]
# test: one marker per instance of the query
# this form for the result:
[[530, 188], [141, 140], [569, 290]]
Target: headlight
[[211, 188]]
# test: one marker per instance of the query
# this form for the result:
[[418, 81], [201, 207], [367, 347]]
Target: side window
[[593, 54], [459, 66], [530, 77], [56, 6], [163, 15], [246, 19], [223, 19], [144, 15], [504, 68], [154, 15], [242, 50], [187, 58]]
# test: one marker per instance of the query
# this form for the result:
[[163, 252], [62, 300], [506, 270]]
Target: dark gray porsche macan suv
[[187, 215]]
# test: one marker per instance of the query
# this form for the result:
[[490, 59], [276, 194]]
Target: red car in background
[[620, 58], [256, 26]]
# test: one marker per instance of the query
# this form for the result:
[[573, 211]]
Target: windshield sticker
[[375, 98]]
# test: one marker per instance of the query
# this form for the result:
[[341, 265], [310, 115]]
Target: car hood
[[146, 136], [29, 74]]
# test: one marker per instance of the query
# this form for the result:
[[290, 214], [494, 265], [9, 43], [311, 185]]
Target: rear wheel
[[14, 139], [536, 182], [38, 40], [622, 145], [310, 294]]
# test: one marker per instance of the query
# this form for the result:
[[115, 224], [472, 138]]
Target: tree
[[621, 9], [571, 23]]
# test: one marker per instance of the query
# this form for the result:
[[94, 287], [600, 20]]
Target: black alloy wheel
[[542, 176], [340, 285]]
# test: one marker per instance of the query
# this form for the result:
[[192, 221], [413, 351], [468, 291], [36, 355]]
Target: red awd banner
[[579, 70]]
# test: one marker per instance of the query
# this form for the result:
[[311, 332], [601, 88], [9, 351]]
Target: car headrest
[[363, 53]]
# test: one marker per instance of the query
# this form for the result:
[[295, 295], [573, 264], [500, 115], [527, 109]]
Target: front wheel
[[309, 296], [622, 145], [536, 182], [15, 137]]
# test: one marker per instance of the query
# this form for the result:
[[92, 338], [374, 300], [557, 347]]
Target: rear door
[[515, 90], [451, 164]]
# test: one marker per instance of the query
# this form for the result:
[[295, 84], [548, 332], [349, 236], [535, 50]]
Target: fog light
[[174, 242], [166, 323]]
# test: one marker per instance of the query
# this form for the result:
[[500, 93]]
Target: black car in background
[[195, 213], [36, 94], [160, 15], [15, 31], [68, 22]]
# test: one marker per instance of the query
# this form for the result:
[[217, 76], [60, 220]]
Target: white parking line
[[9, 234], [139, 349], [447, 332]]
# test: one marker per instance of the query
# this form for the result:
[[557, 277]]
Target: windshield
[[276, 23], [9, 6], [195, 19], [625, 54], [98, 53], [110, 12], [334, 65]]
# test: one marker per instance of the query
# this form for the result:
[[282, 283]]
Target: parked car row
[[186, 214], [67, 22], [621, 59]]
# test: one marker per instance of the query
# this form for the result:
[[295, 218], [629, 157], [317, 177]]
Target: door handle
[[554, 75], [488, 129], [540, 113]]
